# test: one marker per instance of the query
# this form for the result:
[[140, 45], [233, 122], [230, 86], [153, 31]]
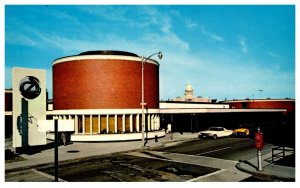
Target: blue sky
[[223, 51]]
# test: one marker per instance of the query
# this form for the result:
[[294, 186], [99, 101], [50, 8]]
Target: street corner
[[272, 173]]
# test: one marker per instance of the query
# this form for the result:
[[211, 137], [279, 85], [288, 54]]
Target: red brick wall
[[104, 84], [271, 104]]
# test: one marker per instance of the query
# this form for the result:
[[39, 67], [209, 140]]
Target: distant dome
[[188, 87], [189, 93]]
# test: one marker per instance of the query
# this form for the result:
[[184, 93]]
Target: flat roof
[[256, 100], [216, 110]]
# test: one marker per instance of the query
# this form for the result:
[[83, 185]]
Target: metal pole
[[56, 150], [259, 160], [24, 116], [143, 100], [143, 105]]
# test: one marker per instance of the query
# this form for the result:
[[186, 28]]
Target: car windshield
[[214, 129]]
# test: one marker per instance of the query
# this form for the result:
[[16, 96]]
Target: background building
[[190, 97], [288, 104]]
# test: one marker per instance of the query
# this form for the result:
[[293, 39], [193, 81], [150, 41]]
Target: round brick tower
[[104, 80]]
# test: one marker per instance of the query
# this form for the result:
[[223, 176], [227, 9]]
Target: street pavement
[[82, 150], [270, 171]]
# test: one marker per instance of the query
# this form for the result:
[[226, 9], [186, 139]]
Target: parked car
[[241, 131], [245, 130], [215, 132]]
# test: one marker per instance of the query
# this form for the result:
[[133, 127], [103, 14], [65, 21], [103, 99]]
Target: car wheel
[[215, 137]]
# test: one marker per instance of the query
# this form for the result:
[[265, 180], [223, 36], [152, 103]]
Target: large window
[[95, 124]]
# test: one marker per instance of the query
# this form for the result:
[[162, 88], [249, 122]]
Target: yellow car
[[241, 131]]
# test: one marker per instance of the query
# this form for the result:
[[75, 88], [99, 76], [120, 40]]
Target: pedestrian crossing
[[227, 173]]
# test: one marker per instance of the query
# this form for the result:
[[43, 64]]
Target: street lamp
[[144, 60], [260, 92]]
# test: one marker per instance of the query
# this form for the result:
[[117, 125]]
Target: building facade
[[101, 92], [288, 104]]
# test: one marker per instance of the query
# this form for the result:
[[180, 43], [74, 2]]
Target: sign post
[[259, 144], [56, 150], [29, 106], [59, 126]]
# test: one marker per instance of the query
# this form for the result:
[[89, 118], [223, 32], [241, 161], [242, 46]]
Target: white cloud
[[112, 13], [19, 39], [243, 44], [166, 41], [211, 35], [274, 55], [190, 24], [216, 37]]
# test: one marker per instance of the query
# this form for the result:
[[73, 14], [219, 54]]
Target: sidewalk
[[78, 150], [270, 170]]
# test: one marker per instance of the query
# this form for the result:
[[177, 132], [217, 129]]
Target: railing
[[282, 152]]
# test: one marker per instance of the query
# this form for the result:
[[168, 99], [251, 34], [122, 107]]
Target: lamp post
[[260, 90], [144, 60]]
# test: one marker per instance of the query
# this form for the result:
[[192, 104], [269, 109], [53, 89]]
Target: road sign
[[29, 106], [30, 87]]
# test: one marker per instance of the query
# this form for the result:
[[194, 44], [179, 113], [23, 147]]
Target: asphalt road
[[223, 148], [197, 160]]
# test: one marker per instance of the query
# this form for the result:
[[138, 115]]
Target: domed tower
[[102, 92], [189, 92]]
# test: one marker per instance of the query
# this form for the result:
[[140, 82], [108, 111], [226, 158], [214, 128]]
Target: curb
[[63, 162], [264, 176]]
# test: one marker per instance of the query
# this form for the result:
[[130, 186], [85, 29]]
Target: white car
[[215, 132]]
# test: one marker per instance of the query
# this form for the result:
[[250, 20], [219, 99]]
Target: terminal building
[[101, 92]]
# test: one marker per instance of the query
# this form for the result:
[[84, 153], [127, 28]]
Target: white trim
[[130, 123], [83, 124], [99, 123], [113, 137], [102, 57], [258, 100], [165, 105], [8, 113], [100, 111], [107, 123], [137, 122], [152, 122], [149, 122], [116, 123], [91, 124], [76, 124], [8, 91], [123, 122], [182, 111], [158, 122]]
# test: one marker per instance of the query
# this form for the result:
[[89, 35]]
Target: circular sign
[[30, 87]]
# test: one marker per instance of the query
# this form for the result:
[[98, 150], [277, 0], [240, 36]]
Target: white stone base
[[112, 137]]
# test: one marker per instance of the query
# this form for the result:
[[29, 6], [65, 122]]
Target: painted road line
[[207, 175], [212, 151], [47, 175]]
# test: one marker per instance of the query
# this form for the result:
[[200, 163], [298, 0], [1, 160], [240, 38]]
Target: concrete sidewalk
[[270, 171], [78, 150]]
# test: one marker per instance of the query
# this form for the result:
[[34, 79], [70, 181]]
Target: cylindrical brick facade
[[104, 82]]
